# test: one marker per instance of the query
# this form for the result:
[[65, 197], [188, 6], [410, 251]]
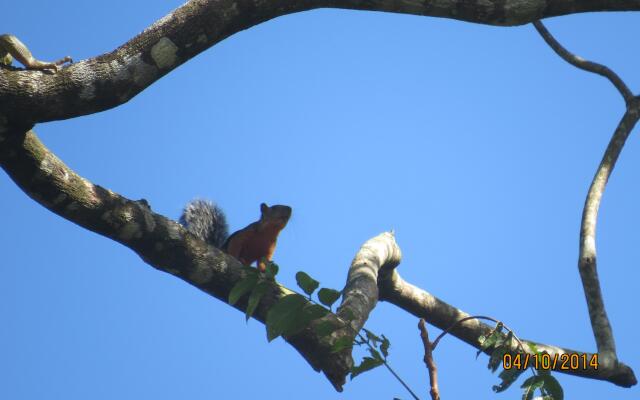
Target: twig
[[460, 321], [400, 380], [428, 360], [581, 63], [386, 364]]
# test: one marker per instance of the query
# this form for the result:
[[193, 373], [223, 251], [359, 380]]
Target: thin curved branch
[[583, 64], [106, 81], [587, 258], [422, 304]]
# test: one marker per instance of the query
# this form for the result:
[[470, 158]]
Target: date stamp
[[558, 362]]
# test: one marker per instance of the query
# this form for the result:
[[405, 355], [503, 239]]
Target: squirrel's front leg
[[12, 46], [263, 261], [262, 264]]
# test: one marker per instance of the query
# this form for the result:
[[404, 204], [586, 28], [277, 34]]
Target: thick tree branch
[[587, 258], [422, 304], [101, 83], [106, 81], [167, 246], [161, 242], [360, 294]]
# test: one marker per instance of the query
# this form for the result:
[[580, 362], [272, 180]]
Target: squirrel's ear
[[263, 207]]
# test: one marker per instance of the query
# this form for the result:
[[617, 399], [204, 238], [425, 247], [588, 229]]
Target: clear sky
[[476, 144]]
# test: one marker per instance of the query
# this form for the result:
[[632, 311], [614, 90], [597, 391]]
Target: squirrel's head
[[277, 214]]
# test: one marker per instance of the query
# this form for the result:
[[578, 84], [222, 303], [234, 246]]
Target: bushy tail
[[206, 221]]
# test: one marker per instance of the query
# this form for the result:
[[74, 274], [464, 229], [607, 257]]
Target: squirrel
[[255, 242]]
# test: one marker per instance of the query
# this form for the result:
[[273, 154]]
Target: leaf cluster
[[378, 347], [255, 284], [294, 312], [500, 344], [547, 384]]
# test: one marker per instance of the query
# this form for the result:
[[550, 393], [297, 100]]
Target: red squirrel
[[254, 243]]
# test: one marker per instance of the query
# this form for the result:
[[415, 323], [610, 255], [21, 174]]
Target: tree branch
[[106, 81], [360, 295], [160, 242], [361, 291], [167, 246], [587, 259], [428, 360], [422, 304], [583, 64]]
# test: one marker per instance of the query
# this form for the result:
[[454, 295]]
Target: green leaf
[[329, 296], [249, 270], [544, 371], [303, 318], [529, 381], [508, 376], [242, 287], [314, 311], [254, 299], [375, 354], [530, 385], [342, 343], [553, 387], [347, 313], [357, 341], [271, 270], [367, 364], [495, 360], [490, 341], [306, 283], [325, 328], [372, 337], [282, 312], [508, 340], [384, 347]]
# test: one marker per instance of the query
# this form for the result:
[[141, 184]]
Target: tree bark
[[106, 81]]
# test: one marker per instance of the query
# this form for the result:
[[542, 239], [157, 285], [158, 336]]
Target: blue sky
[[476, 144]]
